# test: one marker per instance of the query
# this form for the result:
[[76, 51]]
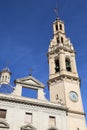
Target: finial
[[30, 71], [7, 64]]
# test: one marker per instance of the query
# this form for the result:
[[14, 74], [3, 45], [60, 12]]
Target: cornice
[[26, 81], [29, 101], [62, 77], [60, 48], [28, 84], [76, 112], [59, 32], [58, 20]]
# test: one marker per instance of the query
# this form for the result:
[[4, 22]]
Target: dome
[[6, 69], [6, 88]]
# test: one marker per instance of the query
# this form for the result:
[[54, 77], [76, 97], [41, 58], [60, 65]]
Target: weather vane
[[56, 9]]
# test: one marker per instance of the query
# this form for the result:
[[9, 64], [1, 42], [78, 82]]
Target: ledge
[[29, 101]]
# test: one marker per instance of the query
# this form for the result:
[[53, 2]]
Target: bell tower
[[5, 76], [64, 83]]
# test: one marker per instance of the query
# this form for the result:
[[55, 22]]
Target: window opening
[[5, 78], [2, 78], [62, 39], [68, 66], [57, 67], [2, 113], [52, 128], [56, 27], [58, 40], [60, 27], [28, 117], [52, 121]]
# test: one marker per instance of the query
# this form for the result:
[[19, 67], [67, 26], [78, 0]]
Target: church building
[[64, 109]]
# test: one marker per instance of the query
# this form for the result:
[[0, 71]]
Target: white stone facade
[[41, 110], [64, 110]]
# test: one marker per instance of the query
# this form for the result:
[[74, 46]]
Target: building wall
[[40, 116], [76, 122]]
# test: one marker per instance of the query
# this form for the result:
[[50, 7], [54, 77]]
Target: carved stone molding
[[33, 106], [28, 127], [52, 128], [4, 124]]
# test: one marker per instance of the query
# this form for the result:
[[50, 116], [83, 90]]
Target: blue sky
[[26, 30]]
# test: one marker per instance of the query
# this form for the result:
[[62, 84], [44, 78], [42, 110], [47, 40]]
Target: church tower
[[5, 86], [5, 75], [64, 83]]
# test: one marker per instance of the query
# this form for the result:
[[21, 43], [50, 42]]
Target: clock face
[[73, 96]]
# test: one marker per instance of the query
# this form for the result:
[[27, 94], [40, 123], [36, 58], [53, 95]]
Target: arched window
[[2, 78], [60, 27], [4, 125], [57, 66], [56, 27], [28, 127], [53, 128], [68, 66], [58, 40], [62, 39], [6, 78]]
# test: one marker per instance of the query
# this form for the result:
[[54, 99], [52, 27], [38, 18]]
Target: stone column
[[62, 61], [73, 64], [18, 90], [51, 66]]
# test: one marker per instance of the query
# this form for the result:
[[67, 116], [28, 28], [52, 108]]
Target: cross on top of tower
[[56, 12], [30, 71]]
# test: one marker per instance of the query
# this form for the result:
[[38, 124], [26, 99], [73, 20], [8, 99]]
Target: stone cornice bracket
[[54, 79]]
